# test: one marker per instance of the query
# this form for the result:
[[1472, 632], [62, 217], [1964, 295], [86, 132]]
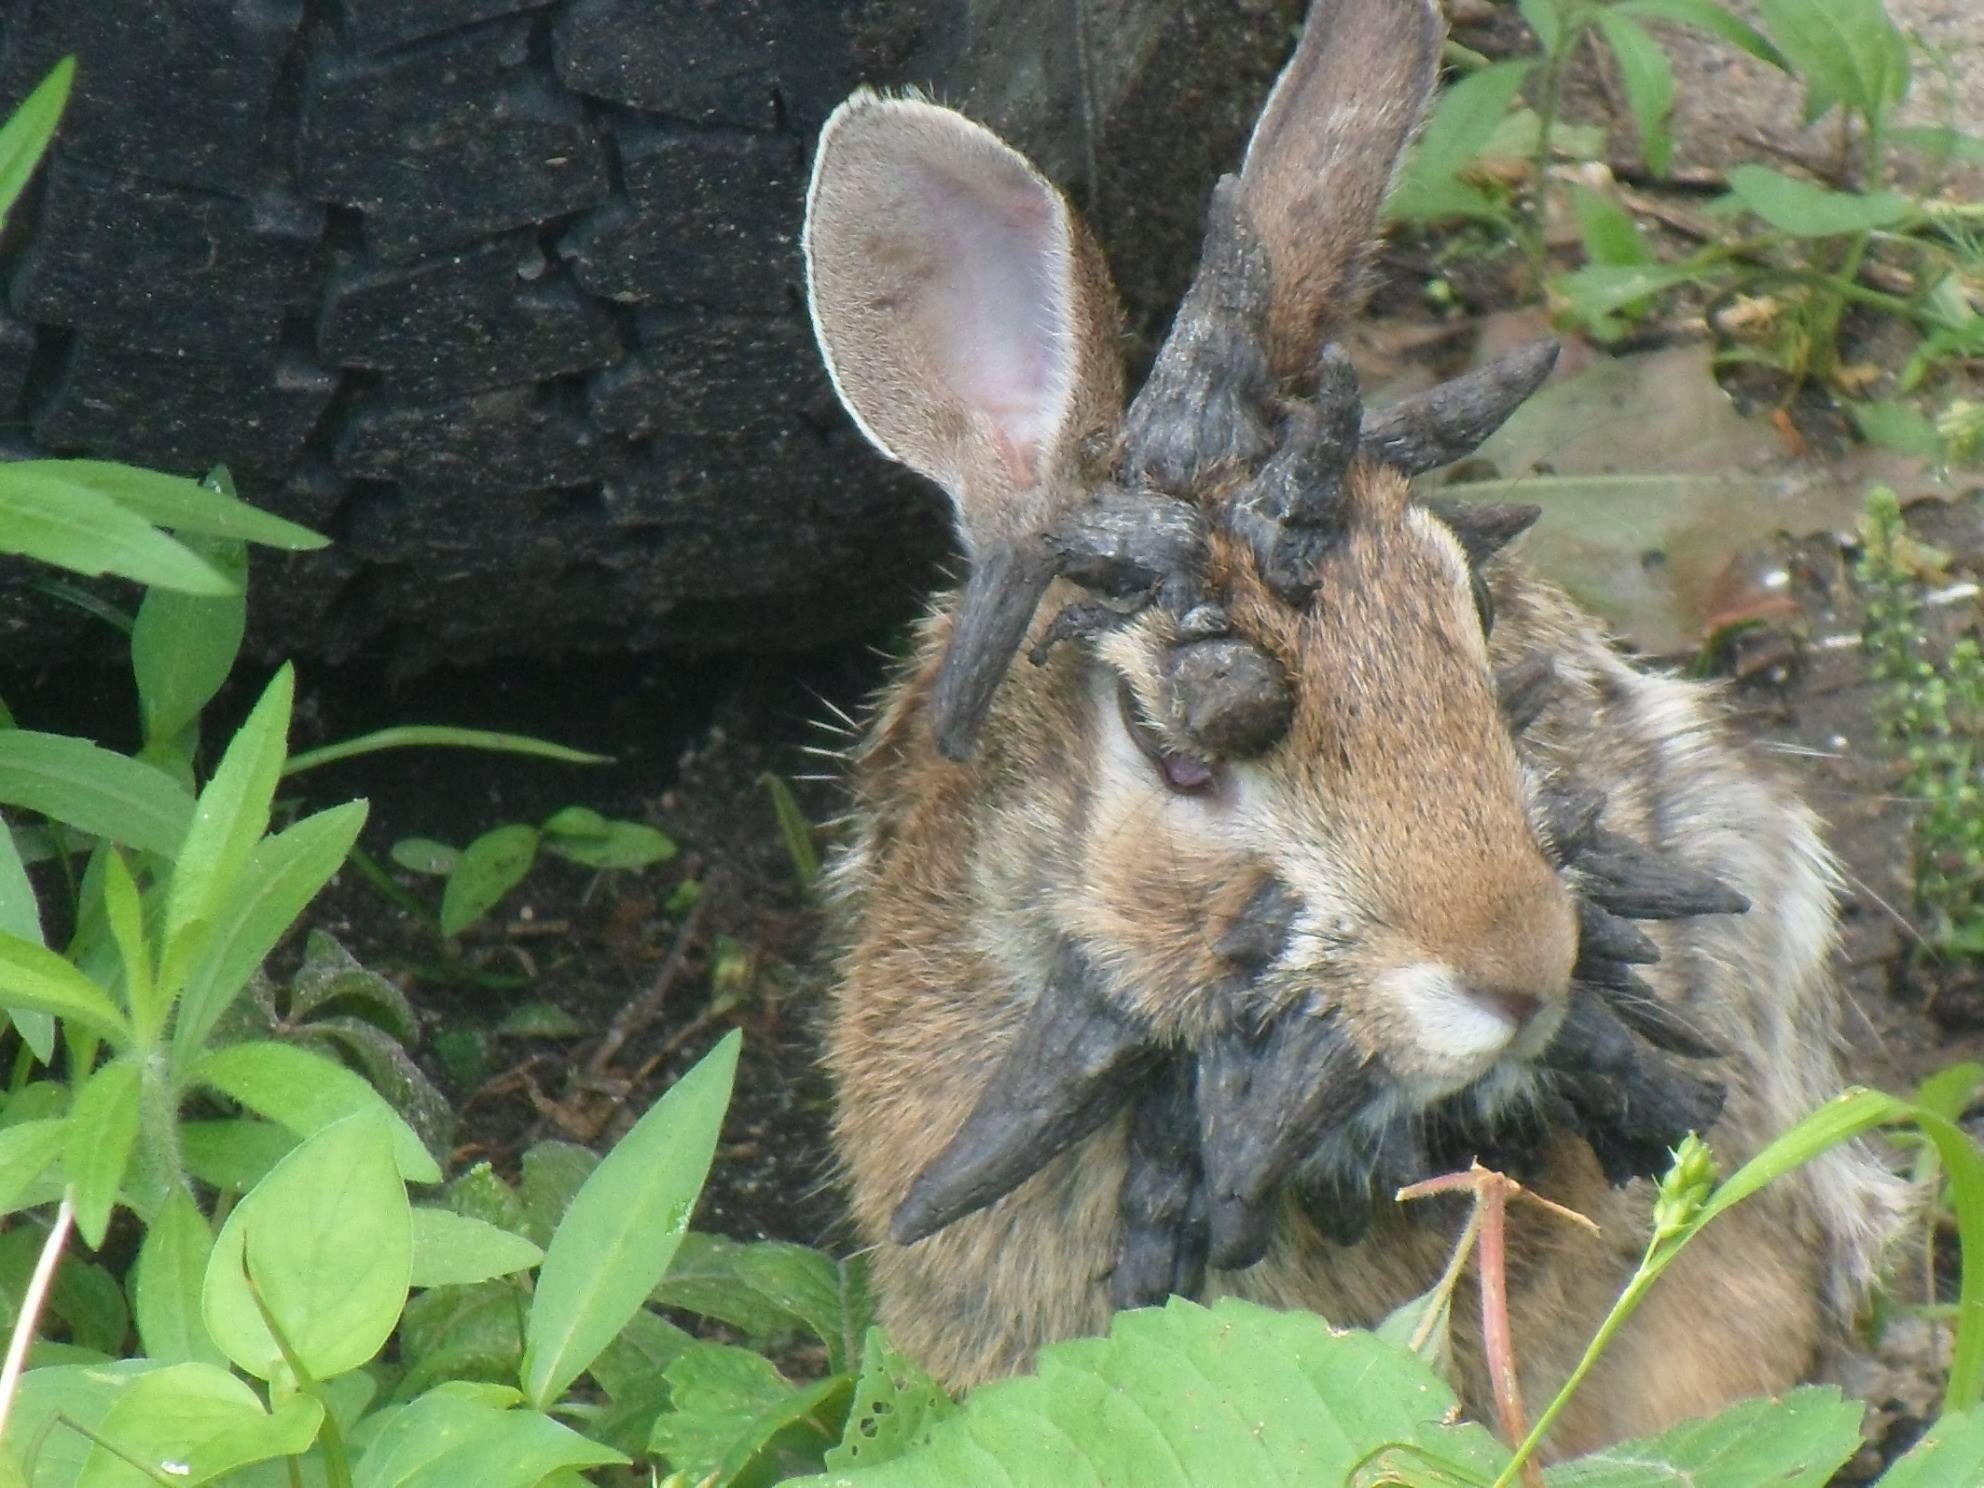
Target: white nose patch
[[1455, 1036]]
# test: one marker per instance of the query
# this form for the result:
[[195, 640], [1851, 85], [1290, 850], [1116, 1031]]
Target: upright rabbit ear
[[1322, 158], [965, 318], [968, 324]]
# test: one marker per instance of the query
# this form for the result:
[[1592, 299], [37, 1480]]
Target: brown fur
[[1398, 807]]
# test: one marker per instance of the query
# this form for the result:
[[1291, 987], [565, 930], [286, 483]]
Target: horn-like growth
[[1074, 1064], [1230, 697], [1632, 880], [1632, 1105], [1449, 422], [1483, 527], [1163, 1200]]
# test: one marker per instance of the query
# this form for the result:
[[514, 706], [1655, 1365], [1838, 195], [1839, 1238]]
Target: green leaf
[[1546, 19], [125, 913], [27, 1150], [166, 1283], [621, 844], [1610, 234], [425, 855], [183, 646], [233, 1156], [623, 1227], [451, 1249], [34, 977], [1898, 426], [1941, 145], [736, 1421], [307, 1093], [284, 873], [443, 1441], [553, 1173], [1796, 1442], [1950, 1452], [896, 1406], [1429, 185], [189, 1423], [1296, 1404], [103, 1128], [79, 1393], [1950, 1092], [28, 130], [94, 790], [491, 866], [1706, 15], [434, 736], [770, 1286], [54, 520], [1604, 289], [642, 1350], [20, 914], [327, 1239], [1649, 83], [1844, 49], [796, 832], [228, 821], [332, 978], [199, 507], [461, 1332], [1808, 211]]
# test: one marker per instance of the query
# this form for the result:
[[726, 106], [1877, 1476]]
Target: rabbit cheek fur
[[1279, 681]]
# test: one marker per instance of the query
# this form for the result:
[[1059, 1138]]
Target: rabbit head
[[1281, 866]]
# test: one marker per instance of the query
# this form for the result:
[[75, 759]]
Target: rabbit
[[1247, 836]]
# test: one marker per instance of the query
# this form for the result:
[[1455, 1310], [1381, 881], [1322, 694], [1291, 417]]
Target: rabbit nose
[[1519, 1008]]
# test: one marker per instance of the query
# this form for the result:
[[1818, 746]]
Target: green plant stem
[[370, 870], [1551, 99], [433, 736]]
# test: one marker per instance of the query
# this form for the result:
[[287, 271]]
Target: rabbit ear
[[965, 318], [1321, 159]]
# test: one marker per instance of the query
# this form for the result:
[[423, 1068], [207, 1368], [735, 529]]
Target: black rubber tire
[[504, 296]]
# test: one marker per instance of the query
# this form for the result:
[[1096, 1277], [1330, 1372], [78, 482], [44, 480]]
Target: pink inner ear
[[994, 319]]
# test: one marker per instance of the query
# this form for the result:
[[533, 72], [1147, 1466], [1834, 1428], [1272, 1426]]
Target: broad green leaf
[[190, 1423], [228, 820], [183, 646], [1605, 289], [307, 1093], [735, 1420], [1610, 234], [1845, 49], [553, 1173], [1796, 1442], [1546, 19], [176, 502], [28, 130], [434, 736], [87, 1297], [491, 866], [1808, 211], [623, 1227], [1649, 83], [451, 1249], [55, 520], [444, 1441], [896, 1405], [1949, 1453], [1898, 426], [327, 1239], [1296, 1404], [1944, 146], [166, 1283], [99, 793], [1707, 15], [425, 855], [34, 977], [461, 1332], [80, 1393], [284, 873], [644, 1348], [103, 1128], [27, 1150]]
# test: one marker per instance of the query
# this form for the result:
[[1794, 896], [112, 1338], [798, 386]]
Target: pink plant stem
[[1496, 1341], [31, 1304]]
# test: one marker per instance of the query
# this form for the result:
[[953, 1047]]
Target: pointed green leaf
[[490, 867], [895, 1407], [1649, 82], [32, 976], [451, 1249], [103, 1128], [623, 1227], [20, 915], [233, 1156], [327, 1239], [306, 1093], [53, 520], [735, 1419], [1796, 1442], [28, 130], [1466, 115], [229, 819], [425, 855], [444, 1441], [94, 790], [189, 1423], [1950, 1452], [437, 736], [183, 646], [1845, 49], [209, 510], [1707, 15], [1808, 211], [285, 873], [166, 1283], [125, 914], [27, 1150]]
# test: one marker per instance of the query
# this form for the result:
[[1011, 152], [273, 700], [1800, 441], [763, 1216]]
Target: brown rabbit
[[1313, 844]]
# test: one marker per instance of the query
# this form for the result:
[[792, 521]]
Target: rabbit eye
[[1182, 773], [1484, 603]]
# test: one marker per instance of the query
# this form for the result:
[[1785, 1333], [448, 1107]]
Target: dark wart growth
[[1250, 836]]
